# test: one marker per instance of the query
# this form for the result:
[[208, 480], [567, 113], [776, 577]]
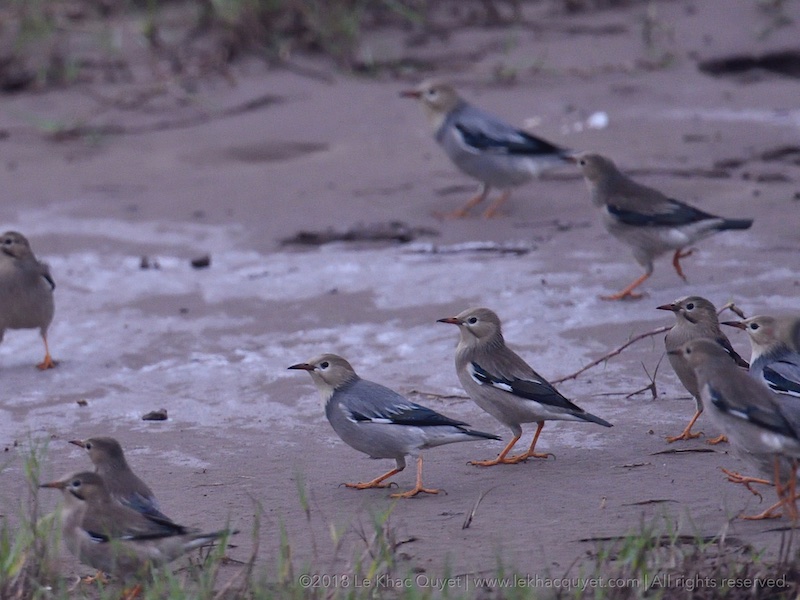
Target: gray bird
[[121, 482], [695, 318], [503, 384], [645, 219], [775, 357], [26, 291], [116, 539], [482, 145], [750, 415], [380, 422]]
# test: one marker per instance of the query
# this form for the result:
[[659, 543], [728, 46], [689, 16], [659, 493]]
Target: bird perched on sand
[[116, 539], [775, 357], [695, 318], [503, 384], [380, 422], [645, 219], [121, 482], [482, 145], [750, 415], [26, 291]]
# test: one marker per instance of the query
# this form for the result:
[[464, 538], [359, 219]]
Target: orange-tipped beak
[[451, 320], [411, 94], [79, 443], [303, 367], [737, 324], [58, 485], [670, 307]]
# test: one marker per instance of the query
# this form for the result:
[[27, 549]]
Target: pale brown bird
[[121, 482], [648, 221], [26, 291], [695, 318], [113, 538]]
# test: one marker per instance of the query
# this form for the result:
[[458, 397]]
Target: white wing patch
[[495, 384]]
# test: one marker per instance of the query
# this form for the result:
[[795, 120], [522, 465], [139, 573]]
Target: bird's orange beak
[[737, 324], [451, 320], [58, 485], [671, 307], [79, 443], [303, 367], [411, 94]]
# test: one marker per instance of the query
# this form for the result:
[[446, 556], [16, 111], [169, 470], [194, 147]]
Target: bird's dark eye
[[88, 445], [753, 326], [76, 483], [582, 162], [7, 241], [431, 93], [690, 306], [472, 320], [324, 364]]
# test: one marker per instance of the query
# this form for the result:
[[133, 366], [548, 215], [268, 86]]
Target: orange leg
[[530, 453], [676, 261], [492, 210], [687, 433], [501, 458], [735, 477], [628, 291], [99, 576], [375, 483], [132, 593], [720, 439], [48, 362], [786, 497], [771, 513], [472, 203], [418, 489]]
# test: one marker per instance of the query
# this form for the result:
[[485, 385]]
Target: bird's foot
[[526, 455], [623, 295], [47, 363], [369, 485], [132, 593], [773, 512], [746, 481], [686, 435], [414, 492], [720, 439], [99, 576]]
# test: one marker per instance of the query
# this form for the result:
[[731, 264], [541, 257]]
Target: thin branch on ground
[[614, 353], [650, 386]]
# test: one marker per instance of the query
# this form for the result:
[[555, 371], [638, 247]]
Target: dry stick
[[468, 521], [613, 353]]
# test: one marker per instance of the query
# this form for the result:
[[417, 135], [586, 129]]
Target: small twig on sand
[[471, 514], [733, 308], [614, 353], [650, 386]]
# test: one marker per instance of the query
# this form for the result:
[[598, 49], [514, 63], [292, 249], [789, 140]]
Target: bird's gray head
[[329, 371], [595, 167], [763, 331], [477, 326], [694, 309], [14, 244], [698, 352], [437, 96], [102, 450], [84, 486]]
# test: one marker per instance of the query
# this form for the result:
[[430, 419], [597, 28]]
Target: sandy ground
[[212, 345]]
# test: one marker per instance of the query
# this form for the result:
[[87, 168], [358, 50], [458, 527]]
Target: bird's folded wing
[[767, 418], [485, 133], [404, 414], [665, 212], [725, 343], [784, 376], [536, 390]]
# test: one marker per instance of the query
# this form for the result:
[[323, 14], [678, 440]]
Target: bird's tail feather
[[593, 419], [481, 434], [735, 224]]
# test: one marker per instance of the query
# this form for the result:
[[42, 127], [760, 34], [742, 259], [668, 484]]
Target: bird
[[381, 423], [505, 386], [775, 356], [750, 415], [483, 146], [26, 291], [121, 482], [645, 219], [695, 318], [113, 538]]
